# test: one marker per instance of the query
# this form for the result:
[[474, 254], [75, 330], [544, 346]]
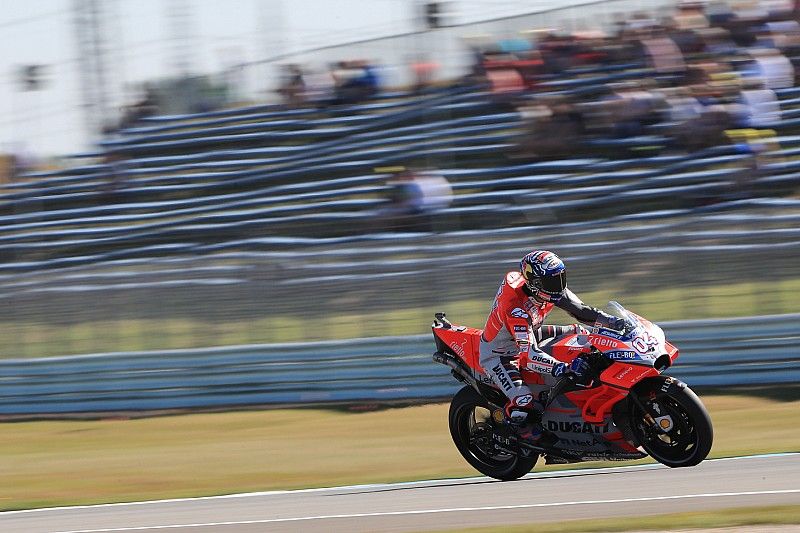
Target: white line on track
[[432, 482], [445, 510]]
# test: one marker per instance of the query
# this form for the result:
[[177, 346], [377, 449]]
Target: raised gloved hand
[[579, 366], [611, 322]]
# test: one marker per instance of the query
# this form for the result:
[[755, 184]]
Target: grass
[[51, 463], [24, 339], [747, 516]]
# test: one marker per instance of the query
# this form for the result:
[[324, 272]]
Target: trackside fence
[[743, 351]]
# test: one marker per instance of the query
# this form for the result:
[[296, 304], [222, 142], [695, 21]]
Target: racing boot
[[524, 415]]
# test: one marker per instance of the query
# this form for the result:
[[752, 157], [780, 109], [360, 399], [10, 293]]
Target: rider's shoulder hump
[[514, 280]]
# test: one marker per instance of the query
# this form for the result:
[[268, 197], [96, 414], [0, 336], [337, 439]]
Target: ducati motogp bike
[[624, 408]]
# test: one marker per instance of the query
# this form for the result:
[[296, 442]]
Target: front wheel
[[676, 430], [474, 430]]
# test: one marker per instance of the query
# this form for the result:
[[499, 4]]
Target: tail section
[[460, 341]]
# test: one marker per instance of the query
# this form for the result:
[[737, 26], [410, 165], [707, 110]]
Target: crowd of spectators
[[689, 77], [686, 77], [344, 82]]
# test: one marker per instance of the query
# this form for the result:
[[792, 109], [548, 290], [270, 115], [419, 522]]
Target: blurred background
[[192, 173]]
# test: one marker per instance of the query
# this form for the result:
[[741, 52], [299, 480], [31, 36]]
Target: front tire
[[472, 428], [689, 439]]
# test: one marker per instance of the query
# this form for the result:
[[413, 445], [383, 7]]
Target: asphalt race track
[[442, 504]]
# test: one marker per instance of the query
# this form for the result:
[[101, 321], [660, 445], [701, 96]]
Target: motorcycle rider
[[514, 328]]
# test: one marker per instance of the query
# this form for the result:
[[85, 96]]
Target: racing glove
[[611, 322], [579, 366]]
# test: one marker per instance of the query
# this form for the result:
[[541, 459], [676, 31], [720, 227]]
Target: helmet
[[545, 275]]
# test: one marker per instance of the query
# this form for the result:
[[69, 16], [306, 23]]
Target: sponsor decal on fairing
[[621, 354], [459, 348], [610, 333], [577, 427], [607, 343], [623, 373]]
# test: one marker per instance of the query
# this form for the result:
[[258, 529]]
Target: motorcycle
[[622, 409]]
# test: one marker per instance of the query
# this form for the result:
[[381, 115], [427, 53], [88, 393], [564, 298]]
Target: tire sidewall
[[665, 386], [467, 399]]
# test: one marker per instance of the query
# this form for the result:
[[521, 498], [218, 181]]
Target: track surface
[[426, 505]]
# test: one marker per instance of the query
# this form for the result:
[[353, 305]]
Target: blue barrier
[[725, 352]]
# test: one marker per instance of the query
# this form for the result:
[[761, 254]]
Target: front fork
[[657, 421]]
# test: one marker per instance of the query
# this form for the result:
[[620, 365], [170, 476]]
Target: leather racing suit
[[515, 327]]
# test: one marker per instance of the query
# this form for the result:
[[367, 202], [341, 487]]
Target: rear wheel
[[678, 431], [474, 433]]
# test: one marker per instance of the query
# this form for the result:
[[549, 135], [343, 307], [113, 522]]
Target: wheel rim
[[476, 428], [679, 443]]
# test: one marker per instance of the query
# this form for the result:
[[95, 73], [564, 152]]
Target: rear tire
[[472, 427], [690, 439]]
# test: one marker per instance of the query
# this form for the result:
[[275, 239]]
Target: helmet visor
[[555, 284]]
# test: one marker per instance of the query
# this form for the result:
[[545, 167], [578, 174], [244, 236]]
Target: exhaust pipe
[[457, 367]]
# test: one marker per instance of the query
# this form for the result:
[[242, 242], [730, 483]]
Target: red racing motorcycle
[[623, 409]]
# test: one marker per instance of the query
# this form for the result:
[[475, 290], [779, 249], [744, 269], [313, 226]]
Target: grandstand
[[264, 215]]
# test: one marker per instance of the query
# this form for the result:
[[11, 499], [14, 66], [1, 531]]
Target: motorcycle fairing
[[578, 435], [463, 342]]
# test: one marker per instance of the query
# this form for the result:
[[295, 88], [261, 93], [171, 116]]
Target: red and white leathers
[[514, 326]]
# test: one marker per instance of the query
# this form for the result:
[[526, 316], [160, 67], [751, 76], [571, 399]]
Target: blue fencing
[[743, 351]]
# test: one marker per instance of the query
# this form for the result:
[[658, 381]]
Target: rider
[[515, 327]]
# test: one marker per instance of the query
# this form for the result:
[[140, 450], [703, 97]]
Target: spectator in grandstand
[[477, 71], [146, 106], [690, 16], [632, 106], [424, 72], [759, 105], [719, 13], [639, 23], [414, 196], [783, 35], [664, 56], [292, 86], [355, 81], [556, 51], [552, 128], [762, 145], [320, 87], [771, 66], [681, 105], [705, 130], [688, 41], [717, 42]]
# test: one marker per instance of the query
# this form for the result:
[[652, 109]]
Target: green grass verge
[[24, 339], [50, 463], [747, 516]]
